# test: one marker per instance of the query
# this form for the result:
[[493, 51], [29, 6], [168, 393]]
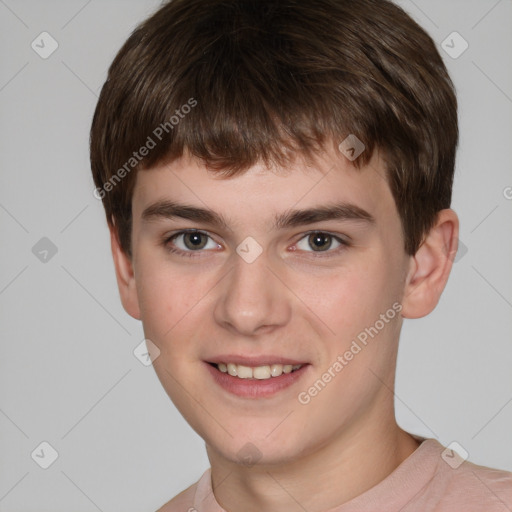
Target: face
[[258, 274]]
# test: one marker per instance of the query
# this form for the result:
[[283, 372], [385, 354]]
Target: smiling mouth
[[263, 372]]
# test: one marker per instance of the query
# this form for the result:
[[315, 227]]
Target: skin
[[287, 302]]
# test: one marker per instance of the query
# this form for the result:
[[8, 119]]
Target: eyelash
[[194, 254]]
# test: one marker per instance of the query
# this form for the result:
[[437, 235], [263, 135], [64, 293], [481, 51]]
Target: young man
[[277, 181]]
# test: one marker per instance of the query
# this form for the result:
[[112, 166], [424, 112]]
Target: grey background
[[68, 375]]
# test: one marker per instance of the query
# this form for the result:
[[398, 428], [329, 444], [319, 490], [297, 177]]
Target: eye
[[320, 242], [190, 241]]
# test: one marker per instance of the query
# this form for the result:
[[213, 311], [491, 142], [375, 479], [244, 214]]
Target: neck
[[356, 460]]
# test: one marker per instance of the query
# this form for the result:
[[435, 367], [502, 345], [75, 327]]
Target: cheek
[[165, 297], [348, 298], [349, 303]]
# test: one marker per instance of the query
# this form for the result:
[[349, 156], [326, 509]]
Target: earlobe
[[431, 266], [124, 275]]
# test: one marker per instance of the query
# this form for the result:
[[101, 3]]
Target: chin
[[258, 448], [257, 454]]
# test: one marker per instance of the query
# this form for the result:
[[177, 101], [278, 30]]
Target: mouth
[[261, 379], [262, 372]]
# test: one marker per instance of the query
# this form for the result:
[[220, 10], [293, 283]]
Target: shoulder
[[476, 487], [444, 481], [183, 502]]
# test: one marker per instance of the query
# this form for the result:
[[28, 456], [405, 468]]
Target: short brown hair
[[237, 82]]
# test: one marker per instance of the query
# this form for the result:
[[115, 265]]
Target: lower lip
[[255, 388]]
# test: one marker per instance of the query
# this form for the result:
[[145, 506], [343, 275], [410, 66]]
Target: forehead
[[260, 193]]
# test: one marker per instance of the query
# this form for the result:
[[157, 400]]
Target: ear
[[124, 275], [431, 266]]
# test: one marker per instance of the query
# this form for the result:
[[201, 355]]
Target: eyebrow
[[165, 209]]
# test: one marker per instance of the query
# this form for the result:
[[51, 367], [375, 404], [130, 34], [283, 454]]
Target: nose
[[252, 300]]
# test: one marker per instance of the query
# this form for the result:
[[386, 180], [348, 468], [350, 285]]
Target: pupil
[[193, 241], [320, 240]]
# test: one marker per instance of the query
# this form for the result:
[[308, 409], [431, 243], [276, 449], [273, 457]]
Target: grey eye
[[318, 242]]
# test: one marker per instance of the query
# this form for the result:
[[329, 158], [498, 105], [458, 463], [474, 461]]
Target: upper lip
[[253, 361]]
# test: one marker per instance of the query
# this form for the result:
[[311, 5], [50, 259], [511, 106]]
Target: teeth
[[259, 372], [276, 370], [244, 372]]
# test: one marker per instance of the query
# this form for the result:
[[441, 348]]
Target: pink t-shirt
[[431, 479]]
